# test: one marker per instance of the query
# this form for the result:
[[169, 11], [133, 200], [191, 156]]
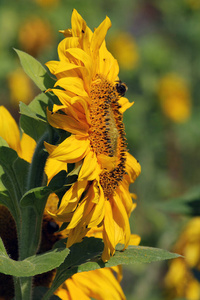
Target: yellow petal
[[99, 36], [70, 199], [121, 219], [63, 67], [27, 147], [108, 163], [52, 66], [134, 240], [125, 104], [133, 167], [67, 123], [78, 23], [53, 166], [70, 42], [90, 169], [72, 149], [9, 130], [73, 85], [107, 64]]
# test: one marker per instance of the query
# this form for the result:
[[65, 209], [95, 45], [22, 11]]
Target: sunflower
[[92, 106], [99, 284]]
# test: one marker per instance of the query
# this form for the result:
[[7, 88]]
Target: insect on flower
[[121, 88]]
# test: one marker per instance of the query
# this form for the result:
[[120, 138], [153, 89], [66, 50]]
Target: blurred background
[[157, 45]]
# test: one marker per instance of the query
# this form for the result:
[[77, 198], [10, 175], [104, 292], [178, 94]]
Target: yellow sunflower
[[182, 279], [99, 284], [92, 106]]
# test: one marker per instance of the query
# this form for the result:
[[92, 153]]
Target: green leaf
[[15, 170], [90, 258], [188, 204], [80, 253], [33, 265], [35, 71], [36, 198], [9, 203], [2, 248], [33, 127], [37, 108], [132, 255]]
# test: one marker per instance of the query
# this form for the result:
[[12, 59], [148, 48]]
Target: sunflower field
[[100, 149]]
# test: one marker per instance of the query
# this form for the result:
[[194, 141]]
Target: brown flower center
[[107, 134]]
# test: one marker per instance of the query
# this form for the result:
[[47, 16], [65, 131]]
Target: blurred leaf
[[40, 291], [188, 204], [35, 71], [33, 265], [3, 142]]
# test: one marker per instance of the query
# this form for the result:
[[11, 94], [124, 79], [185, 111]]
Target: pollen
[[107, 135]]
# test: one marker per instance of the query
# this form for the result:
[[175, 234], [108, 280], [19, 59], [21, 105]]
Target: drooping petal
[[121, 221], [69, 201], [108, 233], [9, 130], [133, 167], [90, 169], [67, 123], [72, 149]]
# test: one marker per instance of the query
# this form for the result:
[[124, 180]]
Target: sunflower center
[[107, 136]]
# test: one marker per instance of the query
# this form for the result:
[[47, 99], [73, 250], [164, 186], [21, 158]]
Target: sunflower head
[[92, 106]]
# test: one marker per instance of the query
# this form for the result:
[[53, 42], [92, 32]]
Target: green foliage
[[33, 265], [188, 204], [35, 71]]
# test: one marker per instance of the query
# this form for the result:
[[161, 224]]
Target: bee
[[121, 88]]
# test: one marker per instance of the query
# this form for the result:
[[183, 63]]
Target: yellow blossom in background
[[47, 3], [20, 86], [194, 4], [92, 110], [174, 96], [35, 35], [180, 280], [124, 48]]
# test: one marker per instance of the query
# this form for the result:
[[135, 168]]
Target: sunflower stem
[[36, 171], [26, 287], [17, 285], [31, 224]]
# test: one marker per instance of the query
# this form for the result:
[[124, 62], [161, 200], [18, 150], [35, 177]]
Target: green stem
[[31, 224], [36, 171], [32, 220], [17, 285], [26, 287]]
